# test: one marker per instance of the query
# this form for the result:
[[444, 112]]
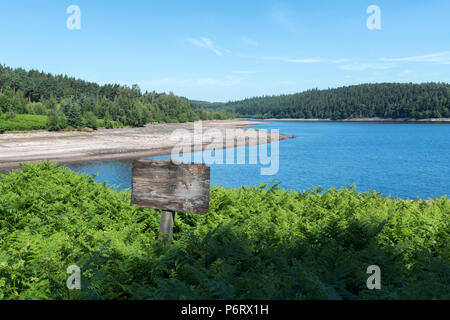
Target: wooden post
[[166, 225], [170, 187]]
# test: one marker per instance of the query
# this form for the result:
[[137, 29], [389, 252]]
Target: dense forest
[[384, 100], [69, 102], [57, 102]]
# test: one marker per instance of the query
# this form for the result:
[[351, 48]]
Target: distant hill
[[384, 100]]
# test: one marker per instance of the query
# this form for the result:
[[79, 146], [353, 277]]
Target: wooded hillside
[[384, 100], [76, 103]]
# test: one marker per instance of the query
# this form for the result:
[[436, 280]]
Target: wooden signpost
[[170, 187]]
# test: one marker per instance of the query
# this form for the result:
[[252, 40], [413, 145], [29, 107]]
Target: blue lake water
[[400, 160]]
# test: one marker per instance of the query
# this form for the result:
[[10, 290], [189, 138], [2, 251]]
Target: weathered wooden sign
[[170, 187], [166, 185]]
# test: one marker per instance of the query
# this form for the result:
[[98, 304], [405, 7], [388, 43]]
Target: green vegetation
[[56, 121], [22, 122], [384, 100], [256, 243], [74, 103], [53, 122]]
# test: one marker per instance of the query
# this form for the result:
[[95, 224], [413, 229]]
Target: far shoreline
[[376, 119]]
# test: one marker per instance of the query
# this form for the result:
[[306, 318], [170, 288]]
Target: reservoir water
[[400, 160]]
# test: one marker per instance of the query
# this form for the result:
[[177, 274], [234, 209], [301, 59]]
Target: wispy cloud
[[204, 43], [340, 61], [294, 60], [367, 66], [250, 42], [437, 58]]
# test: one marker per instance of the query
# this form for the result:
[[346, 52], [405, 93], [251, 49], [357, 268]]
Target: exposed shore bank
[[113, 144], [401, 120]]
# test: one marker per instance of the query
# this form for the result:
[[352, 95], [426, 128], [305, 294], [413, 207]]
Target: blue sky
[[228, 50]]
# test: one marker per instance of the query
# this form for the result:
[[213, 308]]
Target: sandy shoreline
[[400, 120], [110, 144]]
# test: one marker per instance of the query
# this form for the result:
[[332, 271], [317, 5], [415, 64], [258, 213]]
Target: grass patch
[[23, 122], [28, 122]]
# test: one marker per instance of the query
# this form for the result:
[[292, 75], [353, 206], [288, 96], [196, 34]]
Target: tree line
[[384, 100], [70, 102]]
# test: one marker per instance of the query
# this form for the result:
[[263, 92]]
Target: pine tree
[[74, 117]]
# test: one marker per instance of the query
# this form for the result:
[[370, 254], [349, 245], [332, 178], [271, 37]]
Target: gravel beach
[[109, 144]]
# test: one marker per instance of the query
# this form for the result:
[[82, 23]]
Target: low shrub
[[255, 243]]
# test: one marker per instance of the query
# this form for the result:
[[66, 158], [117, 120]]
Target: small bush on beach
[[90, 120], [56, 121], [10, 115], [255, 243]]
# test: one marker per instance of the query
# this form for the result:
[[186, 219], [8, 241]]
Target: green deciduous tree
[[56, 121], [90, 120]]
